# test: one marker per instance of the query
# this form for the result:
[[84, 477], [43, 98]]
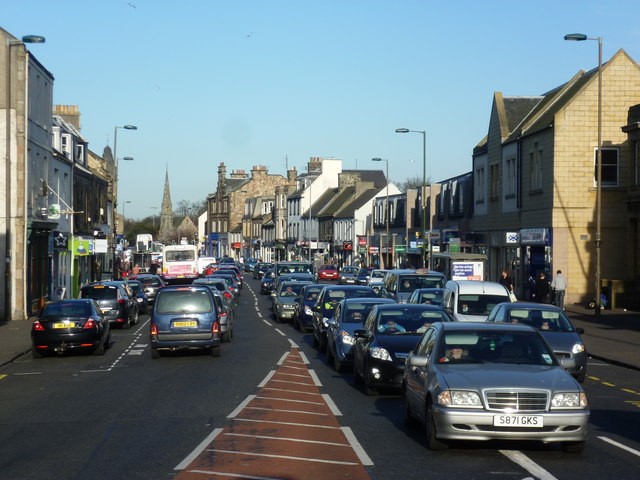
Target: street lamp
[[386, 207], [579, 37], [115, 190], [424, 195], [124, 218], [153, 216], [8, 173]]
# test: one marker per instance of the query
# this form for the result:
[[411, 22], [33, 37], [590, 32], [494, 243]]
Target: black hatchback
[[68, 325], [116, 301]]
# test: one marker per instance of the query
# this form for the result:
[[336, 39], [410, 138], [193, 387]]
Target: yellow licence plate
[[64, 325], [185, 324]]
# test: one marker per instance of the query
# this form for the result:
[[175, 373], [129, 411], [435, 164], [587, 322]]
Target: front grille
[[516, 401], [562, 354]]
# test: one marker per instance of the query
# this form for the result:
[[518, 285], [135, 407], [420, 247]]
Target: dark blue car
[[303, 317], [350, 315]]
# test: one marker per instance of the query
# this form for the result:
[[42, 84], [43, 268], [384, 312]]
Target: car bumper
[[384, 374], [184, 342], [285, 313], [306, 321], [458, 424], [63, 342]]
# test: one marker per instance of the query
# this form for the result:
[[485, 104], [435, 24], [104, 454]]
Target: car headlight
[[578, 348], [348, 339], [264, 284], [342, 277], [325, 322], [459, 398], [569, 400], [308, 311], [380, 353]]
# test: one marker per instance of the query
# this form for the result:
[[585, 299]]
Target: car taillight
[[154, 329], [226, 295], [90, 323], [215, 328], [222, 314], [37, 326], [122, 300]]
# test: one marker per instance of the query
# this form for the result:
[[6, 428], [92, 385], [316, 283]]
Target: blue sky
[[251, 82]]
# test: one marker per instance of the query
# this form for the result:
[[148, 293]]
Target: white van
[[472, 301]]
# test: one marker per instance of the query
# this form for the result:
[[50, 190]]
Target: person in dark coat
[[542, 289]]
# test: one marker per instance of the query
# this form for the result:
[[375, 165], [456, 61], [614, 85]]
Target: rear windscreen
[[100, 292], [73, 309], [184, 301]]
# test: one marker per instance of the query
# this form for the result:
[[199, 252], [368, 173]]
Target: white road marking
[[620, 445], [293, 375], [355, 444], [290, 400], [288, 411], [280, 332], [304, 357], [135, 352], [528, 464], [290, 382], [28, 373], [289, 439], [198, 450], [266, 321], [225, 474], [293, 344], [282, 358], [316, 380], [332, 406], [291, 391], [243, 404], [318, 460], [310, 425], [295, 368], [266, 379]]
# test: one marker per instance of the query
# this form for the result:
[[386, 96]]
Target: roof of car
[[474, 286], [347, 287], [483, 327], [529, 305], [411, 306]]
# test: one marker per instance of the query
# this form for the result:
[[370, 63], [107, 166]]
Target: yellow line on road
[[2, 376], [608, 384]]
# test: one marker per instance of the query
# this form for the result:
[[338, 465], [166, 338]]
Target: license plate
[[180, 276], [535, 421], [105, 309], [64, 325], [185, 324]]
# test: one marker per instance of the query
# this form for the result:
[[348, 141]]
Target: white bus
[[179, 263]]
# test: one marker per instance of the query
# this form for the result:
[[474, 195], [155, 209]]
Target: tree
[[412, 182]]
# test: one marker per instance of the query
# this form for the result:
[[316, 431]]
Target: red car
[[328, 272]]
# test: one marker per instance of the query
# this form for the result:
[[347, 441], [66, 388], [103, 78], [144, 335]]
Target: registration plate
[[185, 324], [64, 325], [105, 309], [518, 421]]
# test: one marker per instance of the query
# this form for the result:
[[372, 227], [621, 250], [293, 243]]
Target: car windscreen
[[356, 312], [184, 301], [408, 320], [135, 287], [100, 292], [433, 298], [479, 304], [66, 309], [294, 268], [494, 347], [408, 283], [551, 320], [291, 289], [150, 281], [179, 255]]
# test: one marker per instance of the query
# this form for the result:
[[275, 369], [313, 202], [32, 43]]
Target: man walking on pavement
[[559, 285]]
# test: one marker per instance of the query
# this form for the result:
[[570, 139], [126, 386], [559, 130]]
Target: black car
[[350, 316], [389, 333], [260, 269], [185, 318], [116, 300], [152, 283], [364, 275], [141, 295], [267, 283], [67, 325], [303, 316], [324, 308]]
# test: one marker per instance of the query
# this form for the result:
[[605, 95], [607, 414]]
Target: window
[[479, 191], [609, 167], [510, 187], [535, 168], [494, 178]]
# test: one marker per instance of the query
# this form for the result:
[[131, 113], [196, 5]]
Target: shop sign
[[347, 246], [374, 250], [362, 249], [534, 236], [512, 237], [400, 248], [60, 240], [362, 241], [236, 245], [80, 247], [467, 271]]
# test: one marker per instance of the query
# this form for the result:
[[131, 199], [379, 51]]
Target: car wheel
[[36, 353], [337, 364], [573, 447], [329, 355], [101, 348], [215, 351], [407, 415], [109, 343], [433, 443], [226, 338], [127, 325], [136, 317], [366, 386], [155, 354], [356, 375]]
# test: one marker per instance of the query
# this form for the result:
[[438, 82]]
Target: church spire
[[166, 213]]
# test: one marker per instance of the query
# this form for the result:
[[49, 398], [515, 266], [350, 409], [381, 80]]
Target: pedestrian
[[559, 286], [153, 268], [507, 281], [136, 269], [542, 289]]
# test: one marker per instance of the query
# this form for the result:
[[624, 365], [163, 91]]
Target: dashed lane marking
[[620, 445], [267, 378], [528, 464]]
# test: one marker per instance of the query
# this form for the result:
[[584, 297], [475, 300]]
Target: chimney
[[239, 174], [258, 171], [69, 114], [292, 174], [222, 176]]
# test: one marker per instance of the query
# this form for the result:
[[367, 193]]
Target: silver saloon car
[[473, 381]]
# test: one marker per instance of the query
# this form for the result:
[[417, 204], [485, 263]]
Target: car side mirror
[[331, 321], [316, 308], [580, 331], [568, 363], [418, 360]]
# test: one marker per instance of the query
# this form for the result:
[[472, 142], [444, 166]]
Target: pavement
[[613, 336]]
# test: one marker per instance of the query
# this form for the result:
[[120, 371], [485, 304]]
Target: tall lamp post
[[8, 172], [579, 37], [153, 218], [386, 208], [115, 191], [425, 238], [124, 218]]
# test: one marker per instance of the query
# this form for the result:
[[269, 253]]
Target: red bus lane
[[288, 430]]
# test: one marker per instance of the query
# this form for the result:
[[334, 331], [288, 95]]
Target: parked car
[[484, 381], [266, 285], [229, 295], [328, 272], [399, 284], [152, 283], [284, 299], [431, 296], [325, 306], [70, 325], [364, 275], [472, 301], [555, 327], [350, 315], [185, 318], [303, 316], [389, 333], [116, 300], [140, 294], [260, 269], [348, 275]]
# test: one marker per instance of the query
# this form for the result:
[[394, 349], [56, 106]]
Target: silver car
[[556, 328], [284, 300], [349, 275], [484, 381]]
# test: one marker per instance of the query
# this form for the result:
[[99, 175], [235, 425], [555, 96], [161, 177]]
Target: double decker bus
[[180, 263]]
